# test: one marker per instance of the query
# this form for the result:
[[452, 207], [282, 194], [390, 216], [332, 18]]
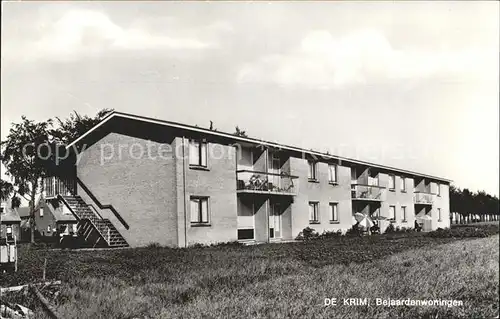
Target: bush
[[153, 245], [233, 243], [330, 234], [307, 234], [464, 232], [390, 229], [354, 231]]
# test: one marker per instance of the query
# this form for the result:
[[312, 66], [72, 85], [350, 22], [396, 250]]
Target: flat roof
[[116, 114]]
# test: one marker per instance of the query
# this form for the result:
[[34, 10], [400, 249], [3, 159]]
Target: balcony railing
[[249, 181], [367, 192], [423, 198], [56, 186]]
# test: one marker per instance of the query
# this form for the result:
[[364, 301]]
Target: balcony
[[424, 198], [56, 186], [256, 182], [367, 192]]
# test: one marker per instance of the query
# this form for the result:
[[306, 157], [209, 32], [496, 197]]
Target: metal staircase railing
[[104, 227]]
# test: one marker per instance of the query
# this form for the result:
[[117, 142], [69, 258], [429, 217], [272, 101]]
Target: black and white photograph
[[249, 159]]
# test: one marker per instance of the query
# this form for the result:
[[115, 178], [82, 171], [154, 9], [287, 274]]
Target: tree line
[[467, 206]]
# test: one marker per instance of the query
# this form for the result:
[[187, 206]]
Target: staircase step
[[104, 227]]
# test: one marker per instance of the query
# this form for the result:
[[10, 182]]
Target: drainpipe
[[184, 187], [266, 155]]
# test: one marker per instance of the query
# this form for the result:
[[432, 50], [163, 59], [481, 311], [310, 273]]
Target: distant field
[[276, 280]]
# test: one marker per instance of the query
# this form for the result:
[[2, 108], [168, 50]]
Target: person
[[375, 229], [417, 226]]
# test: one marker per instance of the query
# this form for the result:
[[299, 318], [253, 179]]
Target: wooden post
[[15, 254], [44, 267]]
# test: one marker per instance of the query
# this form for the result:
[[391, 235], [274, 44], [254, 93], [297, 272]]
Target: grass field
[[275, 280]]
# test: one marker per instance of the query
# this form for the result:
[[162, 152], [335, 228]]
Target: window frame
[[315, 205], [392, 178], [394, 210], [312, 174], [334, 180], [200, 221], [201, 155], [439, 214], [334, 213], [40, 212], [438, 187], [403, 213], [402, 184]]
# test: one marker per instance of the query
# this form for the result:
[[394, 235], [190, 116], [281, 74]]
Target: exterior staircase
[[90, 222]]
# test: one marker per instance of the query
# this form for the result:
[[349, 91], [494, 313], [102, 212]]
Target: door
[[275, 169], [275, 221]]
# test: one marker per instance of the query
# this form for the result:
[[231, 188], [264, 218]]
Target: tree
[[456, 202], [76, 125], [24, 155], [7, 190], [15, 202], [239, 132]]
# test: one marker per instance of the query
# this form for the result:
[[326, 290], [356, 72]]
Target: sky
[[413, 85]]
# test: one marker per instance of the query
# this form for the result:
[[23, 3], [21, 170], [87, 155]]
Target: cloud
[[84, 32], [323, 61]]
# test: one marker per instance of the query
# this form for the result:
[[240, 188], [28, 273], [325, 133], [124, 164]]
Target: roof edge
[[246, 139]]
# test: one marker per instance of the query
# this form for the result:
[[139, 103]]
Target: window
[[197, 153], [312, 171], [373, 178], [403, 184], [403, 213], [392, 183], [439, 214], [313, 212], [9, 230], [48, 229], [199, 210], [332, 173], [41, 212], [392, 212], [334, 217], [438, 190]]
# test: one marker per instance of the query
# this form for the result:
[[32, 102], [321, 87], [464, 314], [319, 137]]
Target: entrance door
[[275, 220]]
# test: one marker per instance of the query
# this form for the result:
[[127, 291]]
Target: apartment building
[[132, 181]]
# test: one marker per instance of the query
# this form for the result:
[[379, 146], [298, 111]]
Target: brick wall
[[218, 182], [398, 199], [324, 193], [42, 223], [140, 186]]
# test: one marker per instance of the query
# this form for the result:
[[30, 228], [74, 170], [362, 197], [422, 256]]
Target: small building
[[10, 222], [53, 218], [24, 213]]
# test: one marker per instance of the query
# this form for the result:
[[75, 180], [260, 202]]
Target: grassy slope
[[463, 270], [287, 280]]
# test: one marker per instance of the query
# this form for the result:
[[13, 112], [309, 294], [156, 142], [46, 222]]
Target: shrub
[[153, 245], [330, 234], [354, 231], [464, 232], [233, 243], [390, 229], [307, 234]]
